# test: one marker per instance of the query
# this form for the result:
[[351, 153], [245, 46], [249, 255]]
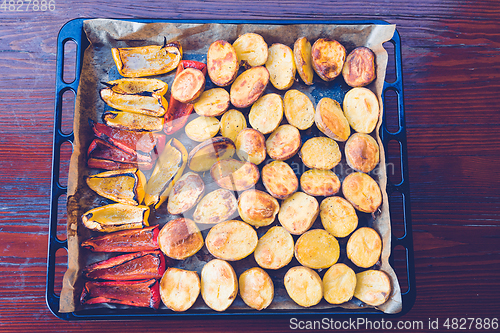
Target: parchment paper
[[98, 66]]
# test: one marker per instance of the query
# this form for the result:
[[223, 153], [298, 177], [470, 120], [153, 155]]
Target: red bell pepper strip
[[127, 267], [144, 293], [103, 155], [178, 112], [132, 240]]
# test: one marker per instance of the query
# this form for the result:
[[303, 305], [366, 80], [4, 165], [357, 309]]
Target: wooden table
[[451, 72]]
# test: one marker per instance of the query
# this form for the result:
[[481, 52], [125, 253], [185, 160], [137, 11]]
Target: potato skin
[[249, 86], [257, 208], [256, 288], [266, 113], [328, 58], [359, 67], [281, 66], [320, 153], [275, 249], [186, 193], [231, 123], [215, 207], [299, 110], [231, 240], [373, 287], [180, 239], [338, 216], [361, 109], [364, 247], [251, 50], [304, 286], [179, 289], [303, 62], [219, 284], [331, 120], [251, 146], [279, 179], [203, 156], [317, 249], [283, 143], [318, 182], [212, 103], [188, 85], [222, 63], [362, 192], [362, 152], [235, 175], [298, 213], [339, 283]]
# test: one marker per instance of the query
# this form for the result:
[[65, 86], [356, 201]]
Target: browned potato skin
[[279, 179], [331, 120], [180, 239], [204, 155], [328, 58], [222, 63], [251, 50], [188, 85], [283, 143], [249, 86], [257, 208], [359, 67], [251, 146], [302, 57], [362, 152], [235, 175]]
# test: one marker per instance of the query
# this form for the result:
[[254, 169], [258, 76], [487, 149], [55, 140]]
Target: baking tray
[[73, 31]]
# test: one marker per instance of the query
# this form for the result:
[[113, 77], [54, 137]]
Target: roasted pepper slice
[[138, 86], [147, 60], [128, 267], [125, 241], [103, 155], [144, 293], [154, 105], [116, 217], [132, 121], [177, 112]]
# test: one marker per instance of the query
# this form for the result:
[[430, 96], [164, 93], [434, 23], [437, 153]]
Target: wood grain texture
[[451, 82]]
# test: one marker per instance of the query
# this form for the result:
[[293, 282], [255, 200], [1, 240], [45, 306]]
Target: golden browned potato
[[331, 120], [212, 103], [179, 288], [202, 128], [338, 216], [283, 143], [235, 175], [256, 288], [279, 179], [257, 208], [188, 85], [364, 247], [275, 249], [186, 193], [303, 60], [231, 240], [231, 123], [328, 58], [317, 249], [320, 153], [219, 284], [215, 207], [373, 287], [299, 110], [318, 182], [222, 63], [304, 286], [339, 283], [359, 67], [266, 113], [361, 109], [362, 192], [203, 156], [362, 152], [251, 146], [249, 86], [298, 213], [131, 121], [251, 50], [180, 239], [281, 66]]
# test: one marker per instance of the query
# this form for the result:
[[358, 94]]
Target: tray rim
[[73, 31]]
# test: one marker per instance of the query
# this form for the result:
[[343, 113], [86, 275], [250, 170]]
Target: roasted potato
[[299, 110], [251, 146], [257, 208], [339, 283], [318, 182], [373, 287], [202, 128], [303, 61], [283, 143], [304, 286], [131, 121], [188, 85], [361, 109], [320, 153], [180, 239], [328, 58], [179, 288], [235, 175], [362, 192], [359, 67], [266, 113], [249, 86], [212, 103], [256, 288], [222, 63], [231, 123], [317, 249], [116, 217], [203, 156], [186, 193], [215, 207], [281, 66], [231, 240], [331, 120], [364, 247], [298, 213], [251, 50], [279, 179], [219, 284], [362, 152], [275, 249], [338, 216]]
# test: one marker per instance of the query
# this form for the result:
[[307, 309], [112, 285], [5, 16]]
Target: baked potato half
[[202, 128], [361, 109], [279, 179], [320, 153], [219, 284], [362, 192], [298, 213], [203, 156], [256, 288], [231, 240], [281, 66], [215, 207], [231, 123], [266, 113], [251, 146], [180, 239], [283, 143], [373, 287], [339, 283], [328, 58], [235, 175], [275, 249], [179, 288], [222, 63], [362, 152], [251, 50], [212, 103], [299, 110], [188, 85], [304, 286], [338, 216], [186, 193], [303, 60], [257, 208], [318, 182], [359, 67], [364, 247], [249, 86], [330, 120], [317, 249]]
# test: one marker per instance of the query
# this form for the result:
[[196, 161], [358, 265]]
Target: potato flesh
[[362, 192], [186, 193], [266, 113], [251, 146], [219, 284], [133, 121], [298, 213], [256, 288], [338, 216], [317, 249], [275, 249], [281, 66], [304, 286], [116, 217], [212, 103], [249, 86], [283, 143], [207, 153], [222, 63], [279, 179], [202, 128], [231, 123], [331, 120], [257, 208], [125, 186], [231, 240], [328, 58], [361, 109], [359, 67], [302, 56], [235, 175], [179, 289], [180, 239], [299, 110], [318, 182], [373, 287], [362, 152], [215, 207], [364, 247], [188, 85], [251, 49], [320, 153], [339, 283]]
